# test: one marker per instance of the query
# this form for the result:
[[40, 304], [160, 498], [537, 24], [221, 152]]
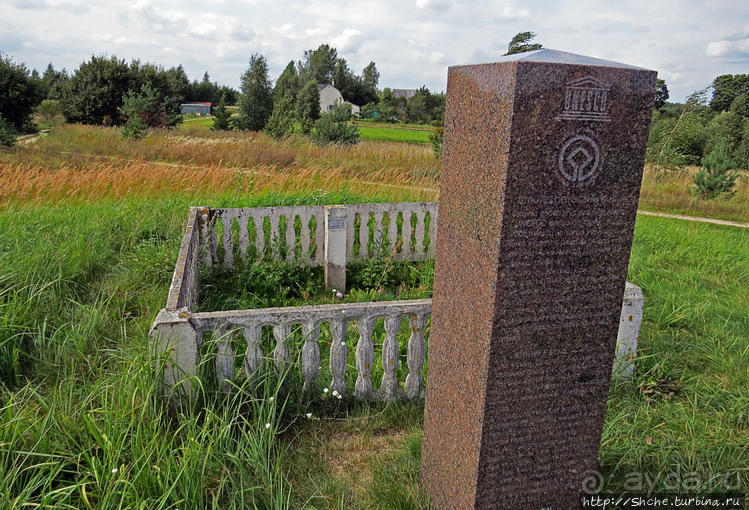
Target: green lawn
[[197, 122], [81, 427], [394, 134]]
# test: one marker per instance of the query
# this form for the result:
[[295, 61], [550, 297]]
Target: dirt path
[[694, 218], [23, 140], [639, 211]]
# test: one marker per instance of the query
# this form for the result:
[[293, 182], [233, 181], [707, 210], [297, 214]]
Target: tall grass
[[88, 252], [671, 192]]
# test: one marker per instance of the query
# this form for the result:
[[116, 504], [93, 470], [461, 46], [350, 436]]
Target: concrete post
[[174, 340], [629, 330], [335, 247]]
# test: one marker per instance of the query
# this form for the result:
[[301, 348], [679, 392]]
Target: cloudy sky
[[412, 41]]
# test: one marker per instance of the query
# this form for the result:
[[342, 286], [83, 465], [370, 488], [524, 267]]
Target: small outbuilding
[[197, 108]]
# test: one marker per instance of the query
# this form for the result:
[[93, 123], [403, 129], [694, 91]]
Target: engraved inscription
[[585, 99], [336, 223], [579, 158]]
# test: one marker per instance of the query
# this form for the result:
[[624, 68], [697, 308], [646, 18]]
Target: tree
[[308, 106], [370, 78], [318, 64], [740, 105], [178, 82], [715, 176], [221, 116], [134, 128], [281, 120], [725, 89], [8, 133], [20, 93], [53, 82], [726, 130], [49, 110], [256, 101], [334, 127], [522, 43], [661, 94], [148, 105], [287, 84], [95, 91]]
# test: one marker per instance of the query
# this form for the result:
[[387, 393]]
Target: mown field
[[89, 232], [367, 130]]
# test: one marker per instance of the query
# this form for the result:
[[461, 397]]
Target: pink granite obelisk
[[543, 160]]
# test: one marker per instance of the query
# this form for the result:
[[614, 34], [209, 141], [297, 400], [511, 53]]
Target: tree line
[[96, 91]]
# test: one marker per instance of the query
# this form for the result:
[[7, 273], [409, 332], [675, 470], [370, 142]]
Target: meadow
[[89, 231], [367, 130]]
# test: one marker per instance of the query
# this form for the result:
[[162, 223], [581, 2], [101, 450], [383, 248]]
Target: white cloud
[[349, 40], [513, 13], [737, 48], [412, 42]]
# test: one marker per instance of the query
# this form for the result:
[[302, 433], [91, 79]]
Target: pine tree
[[281, 120], [256, 101], [522, 43], [287, 84], [308, 106], [221, 116]]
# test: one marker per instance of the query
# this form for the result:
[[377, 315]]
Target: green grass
[[191, 121], [394, 134], [367, 131], [81, 426], [80, 286]]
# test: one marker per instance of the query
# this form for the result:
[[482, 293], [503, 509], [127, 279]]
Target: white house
[[329, 96]]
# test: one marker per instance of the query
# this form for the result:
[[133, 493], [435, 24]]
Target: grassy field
[[190, 121], [394, 134], [89, 232], [367, 130]]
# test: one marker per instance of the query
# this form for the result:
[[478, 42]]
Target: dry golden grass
[[670, 192], [123, 178], [87, 163]]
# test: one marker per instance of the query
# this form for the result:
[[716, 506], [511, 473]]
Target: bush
[[7, 133], [333, 127], [134, 128], [715, 177], [436, 138], [49, 110]]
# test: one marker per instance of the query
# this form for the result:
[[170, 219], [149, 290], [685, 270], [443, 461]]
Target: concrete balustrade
[[330, 236]]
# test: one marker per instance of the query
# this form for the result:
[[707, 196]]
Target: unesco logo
[[579, 158]]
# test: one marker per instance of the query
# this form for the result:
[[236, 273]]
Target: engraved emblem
[[585, 99], [579, 158]]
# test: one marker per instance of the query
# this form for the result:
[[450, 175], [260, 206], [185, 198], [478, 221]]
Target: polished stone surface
[[538, 196]]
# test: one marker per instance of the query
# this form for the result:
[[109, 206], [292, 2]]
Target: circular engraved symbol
[[579, 158]]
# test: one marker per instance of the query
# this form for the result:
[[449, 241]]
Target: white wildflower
[[267, 425], [114, 470], [309, 415]]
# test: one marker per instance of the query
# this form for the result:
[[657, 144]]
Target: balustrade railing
[[330, 236]]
